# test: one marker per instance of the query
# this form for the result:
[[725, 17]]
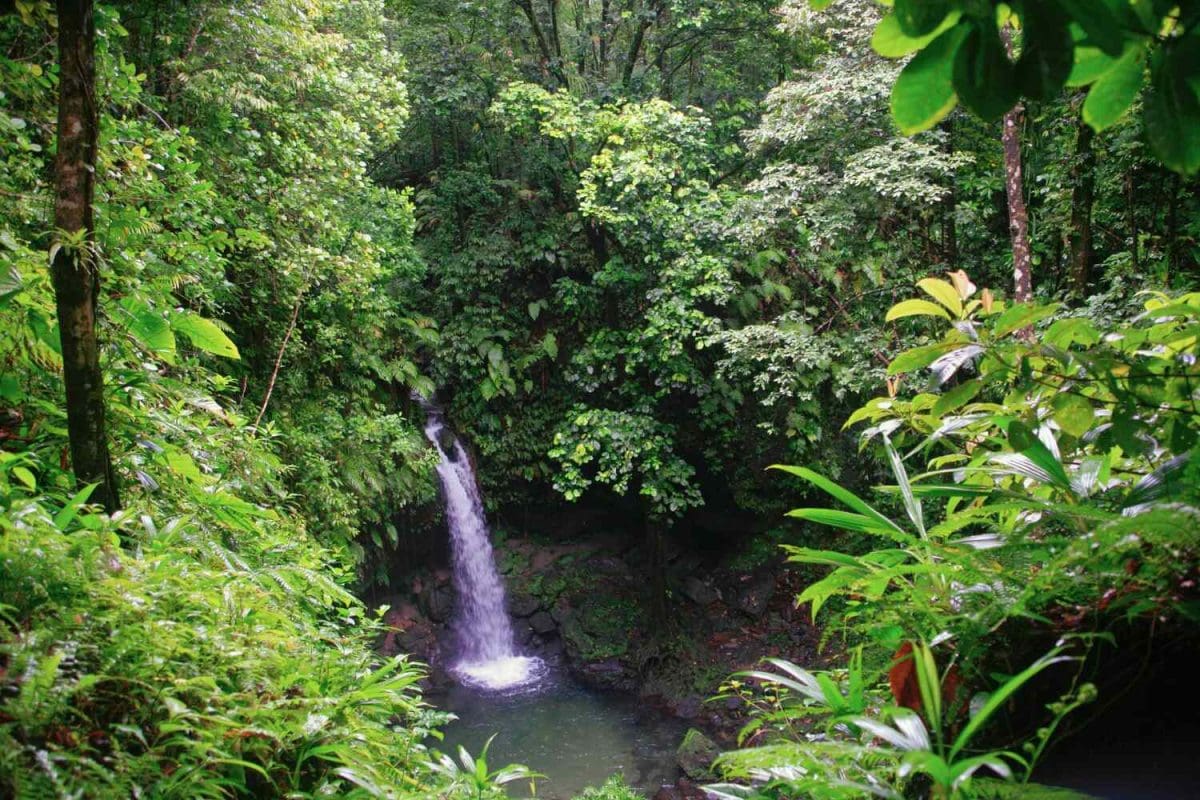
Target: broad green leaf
[[916, 308], [1090, 64], [204, 334], [1074, 414], [956, 397], [924, 92], [921, 17], [890, 41], [1101, 25], [1047, 51], [944, 293], [1172, 115], [151, 329], [984, 78], [920, 357], [10, 389], [26, 477], [1021, 316], [1114, 92]]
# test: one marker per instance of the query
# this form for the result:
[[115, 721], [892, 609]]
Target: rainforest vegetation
[[905, 294]]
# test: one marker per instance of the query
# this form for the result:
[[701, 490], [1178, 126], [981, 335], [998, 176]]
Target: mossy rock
[[696, 755]]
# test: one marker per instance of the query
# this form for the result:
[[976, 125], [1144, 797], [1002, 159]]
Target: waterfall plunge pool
[[574, 736]]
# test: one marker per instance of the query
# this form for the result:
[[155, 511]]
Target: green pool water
[[574, 736]]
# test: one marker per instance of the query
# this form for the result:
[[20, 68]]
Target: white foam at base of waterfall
[[488, 657], [501, 674]]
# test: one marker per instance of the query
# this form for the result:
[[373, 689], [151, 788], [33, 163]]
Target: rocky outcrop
[[580, 605], [696, 755]]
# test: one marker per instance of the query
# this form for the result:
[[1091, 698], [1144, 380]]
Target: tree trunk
[[1132, 220], [1014, 184], [74, 269], [656, 543], [1174, 242], [1083, 191], [949, 208]]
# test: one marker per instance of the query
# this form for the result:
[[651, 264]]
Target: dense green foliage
[[202, 642], [642, 248]]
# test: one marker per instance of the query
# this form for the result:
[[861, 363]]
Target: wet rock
[[755, 593], [698, 591], [437, 603], [687, 707], [401, 615], [696, 755], [609, 673], [607, 565], [686, 564], [542, 623], [541, 559], [401, 624], [523, 605], [418, 641], [560, 612]]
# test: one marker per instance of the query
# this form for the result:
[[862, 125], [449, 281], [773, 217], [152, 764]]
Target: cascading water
[[488, 657]]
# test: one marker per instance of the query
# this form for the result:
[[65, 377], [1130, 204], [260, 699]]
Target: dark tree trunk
[[74, 269], [1131, 218], [1174, 244], [1014, 184], [1083, 192], [656, 544]]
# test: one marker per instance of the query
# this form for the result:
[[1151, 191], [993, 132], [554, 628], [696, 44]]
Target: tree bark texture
[[1083, 193], [74, 269], [1014, 185]]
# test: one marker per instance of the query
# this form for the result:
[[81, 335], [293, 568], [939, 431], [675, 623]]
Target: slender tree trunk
[[551, 61], [656, 542], [74, 269], [1083, 191], [1014, 184], [635, 45], [1174, 245], [1131, 219], [950, 208], [287, 336], [605, 28]]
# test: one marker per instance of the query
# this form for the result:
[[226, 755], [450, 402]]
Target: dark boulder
[[523, 605], [437, 603], [699, 592], [696, 754], [755, 592], [542, 623]]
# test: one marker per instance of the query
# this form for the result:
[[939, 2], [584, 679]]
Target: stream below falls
[[574, 736]]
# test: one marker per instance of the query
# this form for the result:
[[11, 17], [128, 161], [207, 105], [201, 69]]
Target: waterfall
[[487, 654]]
